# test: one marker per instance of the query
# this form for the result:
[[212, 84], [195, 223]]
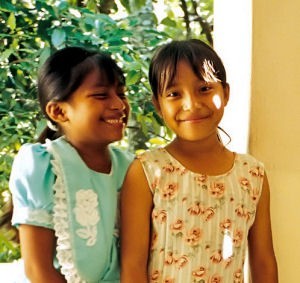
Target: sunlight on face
[[217, 101]]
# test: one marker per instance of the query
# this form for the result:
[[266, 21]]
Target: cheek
[[127, 106], [217, 101], [164, 109]]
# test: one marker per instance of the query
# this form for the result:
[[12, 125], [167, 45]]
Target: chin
[[117, 138]]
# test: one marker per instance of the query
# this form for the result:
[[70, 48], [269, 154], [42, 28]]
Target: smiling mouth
[[194, 119], [116, 121]]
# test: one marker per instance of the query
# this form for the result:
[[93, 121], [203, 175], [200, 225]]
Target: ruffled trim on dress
[[61, 225]]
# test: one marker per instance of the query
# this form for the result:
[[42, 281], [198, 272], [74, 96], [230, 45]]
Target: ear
[[156, 105], [56, 111], [226, 89]]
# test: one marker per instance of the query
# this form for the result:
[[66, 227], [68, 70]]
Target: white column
[[233, 42]]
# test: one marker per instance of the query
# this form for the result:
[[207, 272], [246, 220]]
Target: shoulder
[[31, 183], [250, 162], [154, 159], [156, 155], [30, 157], [136, 178], [252, 173], [32, 149]]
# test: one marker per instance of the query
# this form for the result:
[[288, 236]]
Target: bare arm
[[37, 248], [136, 207], [262, 258]]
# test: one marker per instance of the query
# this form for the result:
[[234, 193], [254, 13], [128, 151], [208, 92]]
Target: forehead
[[202, 69], [101, 77], [182, 71]]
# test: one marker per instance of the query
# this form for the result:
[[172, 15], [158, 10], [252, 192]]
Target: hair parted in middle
[[204, 61]]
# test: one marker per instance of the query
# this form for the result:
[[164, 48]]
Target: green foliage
[[189, 18], [32, 30], [9, 247]]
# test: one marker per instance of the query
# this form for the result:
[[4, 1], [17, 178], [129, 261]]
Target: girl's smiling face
[[96, 112], [192, 108]]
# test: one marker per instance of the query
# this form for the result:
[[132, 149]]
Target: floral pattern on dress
[[87, 215], [200, 223]]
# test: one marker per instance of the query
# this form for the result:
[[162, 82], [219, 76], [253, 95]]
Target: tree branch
[[204, 25], [186, 17]]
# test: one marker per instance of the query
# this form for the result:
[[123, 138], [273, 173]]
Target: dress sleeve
[[31, 183]]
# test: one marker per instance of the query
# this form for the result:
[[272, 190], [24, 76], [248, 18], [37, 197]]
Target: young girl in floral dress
[[190, 209]]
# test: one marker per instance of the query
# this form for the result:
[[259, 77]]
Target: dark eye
[[172, 94], [205, 88], [122, 95], [99, 95], [121, 90]]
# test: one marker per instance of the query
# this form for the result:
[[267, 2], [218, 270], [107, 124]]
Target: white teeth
[[114, 121]]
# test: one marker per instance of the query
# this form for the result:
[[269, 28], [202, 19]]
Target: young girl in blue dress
[[65, 188], [190, 209]]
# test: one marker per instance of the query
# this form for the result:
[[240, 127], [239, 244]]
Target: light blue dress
[[53, 188]]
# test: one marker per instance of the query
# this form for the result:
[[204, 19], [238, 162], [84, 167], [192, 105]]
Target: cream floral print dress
[[200, 223]]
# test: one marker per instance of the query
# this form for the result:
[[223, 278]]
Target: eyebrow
[[107, 84], [171, 85]]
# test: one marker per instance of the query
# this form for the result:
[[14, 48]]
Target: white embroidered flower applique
[[87, 215]]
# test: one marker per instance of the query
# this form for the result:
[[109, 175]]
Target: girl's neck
[[209, 157], [98, 161], [96, 157], [208, 146]]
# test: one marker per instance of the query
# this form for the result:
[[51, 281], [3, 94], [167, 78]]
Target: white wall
[[272, 43]]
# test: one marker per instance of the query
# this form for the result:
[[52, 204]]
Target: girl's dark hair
[[204, 61], [64, 71]]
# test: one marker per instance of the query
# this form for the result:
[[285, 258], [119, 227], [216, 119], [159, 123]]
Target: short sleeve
[[31, 183]]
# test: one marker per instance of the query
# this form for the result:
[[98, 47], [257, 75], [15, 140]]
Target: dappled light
[[217, 101]]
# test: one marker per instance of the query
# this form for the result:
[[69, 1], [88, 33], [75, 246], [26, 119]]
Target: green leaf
[[115, 42], [40, 126], [44, 55], [58, 38], [15, 43], [5, 55], [7, 6], [137, 4], [43, 26], [126, 5], [168, 22], [11, 21], [132, 77]]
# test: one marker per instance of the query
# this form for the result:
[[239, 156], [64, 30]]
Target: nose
[[117, 102], [191, 102]]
